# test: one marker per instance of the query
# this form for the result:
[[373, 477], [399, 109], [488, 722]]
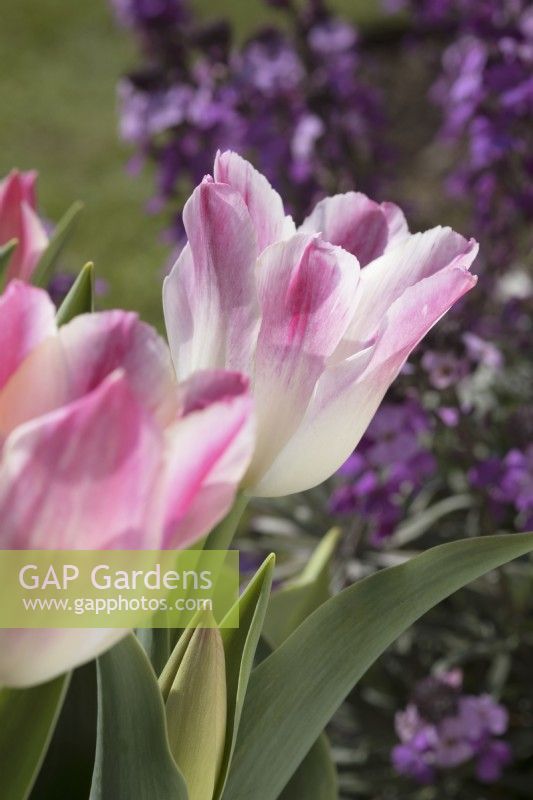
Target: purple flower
[[133, 13], [492, 760], [481, 351], [442, 729], [297, 100], [410, 762], [485, 93], [481, 716], [444, 369], [453, 747], [391, 464], [507, 483]]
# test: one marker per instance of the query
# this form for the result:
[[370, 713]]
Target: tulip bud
[[196, 711]]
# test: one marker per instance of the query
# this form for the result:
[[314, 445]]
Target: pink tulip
[[321, 318], [101, 449], [19, 220]]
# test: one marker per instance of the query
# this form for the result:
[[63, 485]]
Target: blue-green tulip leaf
[[133, 760], [6, 251], [156, 644], [294, 693], [240, 645], [291, 604], [80, 298], [27, 721], [316, 777], [63, 230]]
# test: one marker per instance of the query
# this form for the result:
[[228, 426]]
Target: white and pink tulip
[[101, 449], [321, 318]]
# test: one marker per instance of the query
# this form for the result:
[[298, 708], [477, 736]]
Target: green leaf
[[411, 529], [316, 777], [46, 264], [67, 770], [6, 251], [27, 721], [133, 760], [240, 645], [80, 299], [156, 644], [290, 605], [295, 691]]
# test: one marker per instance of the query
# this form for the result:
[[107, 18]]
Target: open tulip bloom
[[321, 318], [100, 449], [284, 342]]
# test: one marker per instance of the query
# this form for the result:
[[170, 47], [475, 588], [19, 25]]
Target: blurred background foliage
[[61, 63], [62, 60]]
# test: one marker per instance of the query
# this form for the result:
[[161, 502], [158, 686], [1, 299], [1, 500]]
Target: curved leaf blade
[[240, 645], [6, 251], [295, 691], [133, 760], [27, 721], [80, 298], [63, 230], [291, 604], [316, 777]]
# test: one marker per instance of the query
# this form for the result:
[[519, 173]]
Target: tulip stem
[[221, 537]]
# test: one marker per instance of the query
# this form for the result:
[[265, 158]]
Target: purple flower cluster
[[507, 484], [293, 99], [151, 15], [391, 463], [485, 92], [442, 729]]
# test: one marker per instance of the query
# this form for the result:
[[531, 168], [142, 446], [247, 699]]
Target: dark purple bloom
[[410, 762], [390, 465], [442, 729], [444, 369], [485, 92], [492, 760], [295, 100]]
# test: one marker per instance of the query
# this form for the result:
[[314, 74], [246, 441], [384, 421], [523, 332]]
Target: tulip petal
[[37, 387], [209, 449], [357, 224], [263, 202], [209, 298], [414, 313], [307, 289], [348, 394], [32, 242], [94, 345], [31, 656], [82, 476], [324, 439], [18, 220], [411, 260], [27, 318]]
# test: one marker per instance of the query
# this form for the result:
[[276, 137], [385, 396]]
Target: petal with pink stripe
[[307, 290], [208, 451], [27, 318], [209, 298], [263, 202], [82, 476]]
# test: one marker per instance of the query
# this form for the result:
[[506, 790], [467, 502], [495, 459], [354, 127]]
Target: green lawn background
[[60, 63]]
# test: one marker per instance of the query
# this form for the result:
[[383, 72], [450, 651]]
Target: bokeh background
[[58, 91]]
